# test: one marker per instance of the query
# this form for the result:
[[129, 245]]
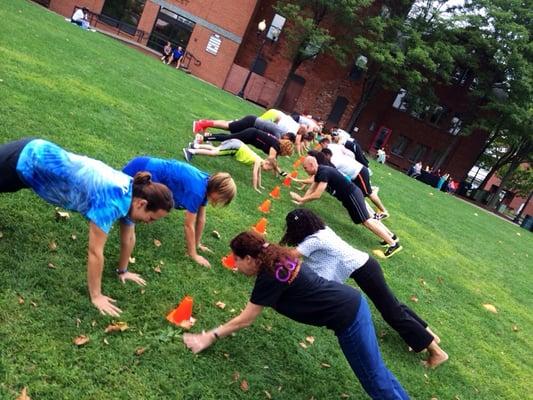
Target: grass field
[[95, 96]]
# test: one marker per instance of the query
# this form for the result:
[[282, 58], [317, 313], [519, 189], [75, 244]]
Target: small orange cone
[[297, 163], [265, 206], [229, 261], [182, 312], [275, 193], [287, 181], [260, 227]]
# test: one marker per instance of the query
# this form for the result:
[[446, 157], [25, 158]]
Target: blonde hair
[[223, 184], [286, 147]]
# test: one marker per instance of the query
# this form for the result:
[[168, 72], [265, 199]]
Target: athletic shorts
[[229, 147], [10, 181], [355, 204], [362, 181]]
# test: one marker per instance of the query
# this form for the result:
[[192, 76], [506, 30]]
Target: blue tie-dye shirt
[[74, 182]]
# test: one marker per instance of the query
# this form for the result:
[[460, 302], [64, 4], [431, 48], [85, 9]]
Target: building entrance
[[170, 27]]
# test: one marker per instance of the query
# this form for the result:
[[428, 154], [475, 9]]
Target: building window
[[170, 27], [400, 145], [400, 102], [338, 109], [417, 153], [437, 115], [124, 14], [455, 125], [259, 66]]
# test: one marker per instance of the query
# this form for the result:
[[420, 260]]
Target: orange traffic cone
[[229, 261], [287, 180], [297, 163], [182, 312], [265, 206], [260, 227], [275, 193]]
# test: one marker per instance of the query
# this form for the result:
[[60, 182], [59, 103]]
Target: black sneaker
[[384, 243], [187, 154], [283, 173], [392, 250], [381, 216]]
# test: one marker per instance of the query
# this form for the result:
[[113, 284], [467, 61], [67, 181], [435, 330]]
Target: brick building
[[222, 38]]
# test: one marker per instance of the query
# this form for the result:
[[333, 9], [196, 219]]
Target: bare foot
[[435, 337], [436, 356]]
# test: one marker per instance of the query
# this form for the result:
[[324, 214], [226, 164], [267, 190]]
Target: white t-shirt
[[78, 14], [330, 256], [288, 124], [343, 136], [339, 149], [348, 166]]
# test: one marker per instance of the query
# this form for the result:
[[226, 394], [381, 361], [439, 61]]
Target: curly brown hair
[[269, 255]]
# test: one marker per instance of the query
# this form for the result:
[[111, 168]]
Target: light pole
[[261, 26]]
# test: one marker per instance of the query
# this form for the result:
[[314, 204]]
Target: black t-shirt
[[338, 185], [309, 299], [264, 141]]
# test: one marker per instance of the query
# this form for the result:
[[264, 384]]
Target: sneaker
[[187, 154], [381, 216], [392, 250], [197, 127], [384, 243]]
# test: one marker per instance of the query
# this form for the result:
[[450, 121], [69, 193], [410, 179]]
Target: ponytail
[[158, 196]]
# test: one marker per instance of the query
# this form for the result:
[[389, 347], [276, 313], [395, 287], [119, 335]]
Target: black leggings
[[242, 124], [401, 318], [10, 180]]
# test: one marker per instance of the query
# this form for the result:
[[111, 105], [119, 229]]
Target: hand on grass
[[105, 305], [196, 342], [201, 260], [130, 276]]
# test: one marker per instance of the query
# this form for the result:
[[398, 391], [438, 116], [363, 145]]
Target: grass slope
[[97, 97]]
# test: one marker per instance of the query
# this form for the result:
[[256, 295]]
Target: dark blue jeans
[[359, 345]]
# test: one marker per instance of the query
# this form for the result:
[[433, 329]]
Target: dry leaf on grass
[[34, 304], [515, 328], [244, 385], [51, 266], [62, 214], [132, 260], [81, 340], [215, 234], [235, 377], [157, 243], [325, 365], [157, 269], [93, 323], [1, 234], [116, 327], [78, 322], [414, 298], [105, 341], [140, 351], [267, 394], [220, 305], [345, 396], [491, 308], [303, 345], [310, 339], [21, 300], [73, 237], [24, 394], [52, 246]]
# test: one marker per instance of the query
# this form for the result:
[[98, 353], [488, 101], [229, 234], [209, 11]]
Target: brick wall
[[66, 7]]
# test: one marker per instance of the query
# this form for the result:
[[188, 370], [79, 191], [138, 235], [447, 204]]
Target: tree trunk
[[367, 93], [495, 201], [492, 137], [519, 215], [500, 163]]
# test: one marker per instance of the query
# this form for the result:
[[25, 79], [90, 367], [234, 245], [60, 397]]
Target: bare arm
[[201, 341], [95, 266], [190, 224], [256, 176], [127, 244], [314, 193]]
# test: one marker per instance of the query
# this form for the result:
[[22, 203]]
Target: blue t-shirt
[[177, 53], [187, 183], [97, 191]]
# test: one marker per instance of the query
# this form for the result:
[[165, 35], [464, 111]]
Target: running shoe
[[187, 154], [392, 250]]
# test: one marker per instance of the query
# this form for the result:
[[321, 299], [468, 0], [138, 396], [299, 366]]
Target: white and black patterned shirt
[[330, 256]]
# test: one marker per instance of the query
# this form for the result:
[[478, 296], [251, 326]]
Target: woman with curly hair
[[296, 292], [334, 259]]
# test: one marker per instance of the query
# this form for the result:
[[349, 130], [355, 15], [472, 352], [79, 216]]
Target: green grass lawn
[[95, 96]]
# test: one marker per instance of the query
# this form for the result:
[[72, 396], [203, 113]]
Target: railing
[[136, 34]]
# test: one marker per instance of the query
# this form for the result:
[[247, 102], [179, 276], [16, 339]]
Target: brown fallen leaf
[[81, 340], [52, 246], [24, 395], [157, 243], [157, 269], [515, 328], [34, 304], [117, 327], [139, 351], [303, 345], [244, 385], [51, 266], [78, 322], [414, 298], [345, 396], [21, 300], [1, 234], [131, 260], [161, 262], [325, 365], [267, 394], [93, 323], [105, 341], [422, 281], [491, 308], [143, 290], [73, 237], [62, 214], [220, 305], [215, 234], [226, 355], [235, 377], [310, 339]]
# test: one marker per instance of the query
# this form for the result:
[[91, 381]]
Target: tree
[[497, 35]]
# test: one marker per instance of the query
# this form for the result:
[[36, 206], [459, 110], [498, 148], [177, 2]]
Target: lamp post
[[261, 26]]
